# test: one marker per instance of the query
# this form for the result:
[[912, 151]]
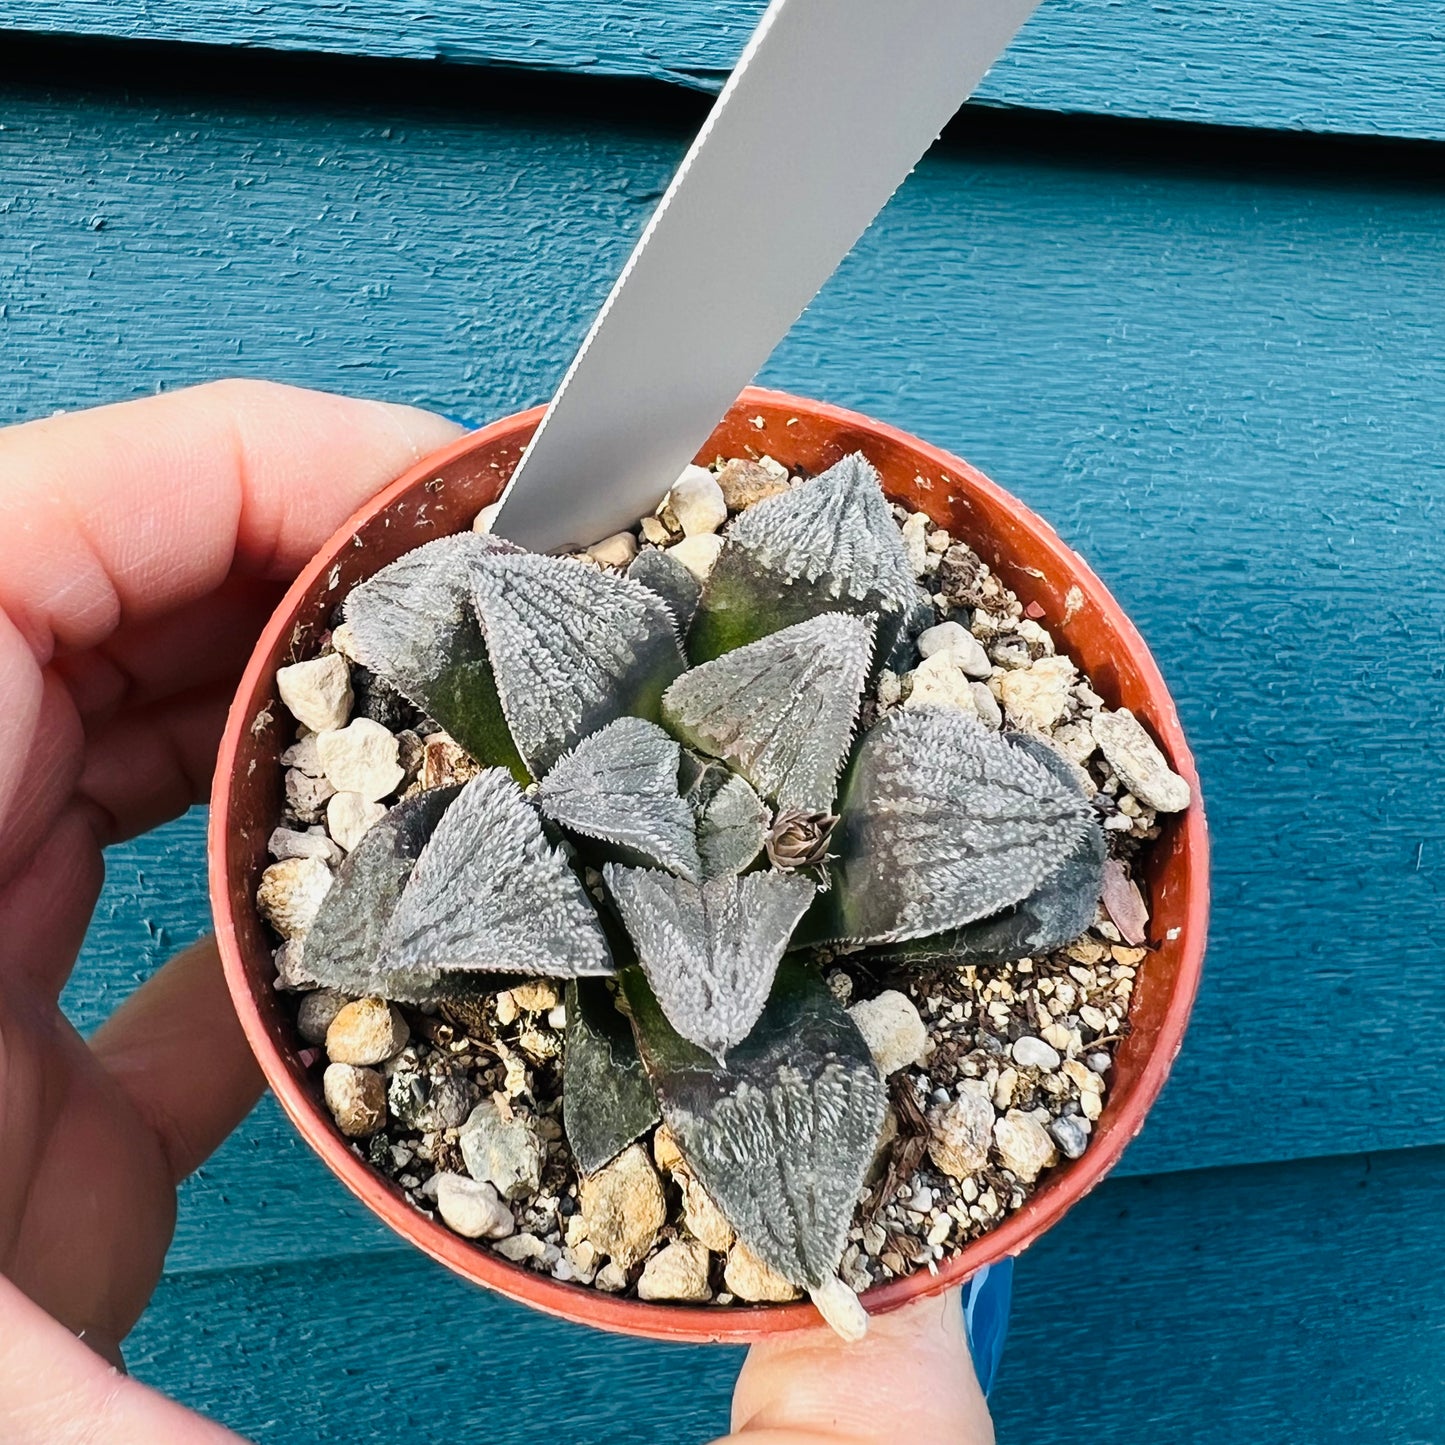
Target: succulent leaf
[[732, 826], [943, 822], [1052, 916], [828, 545], [709, 953], [607, 1097], [343, 948], [620, 785], [780, 710], [572, 648], [413, 624], [659, 571], [489, 894], [782, 1135]]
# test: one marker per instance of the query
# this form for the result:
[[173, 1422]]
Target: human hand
[[142, 547]]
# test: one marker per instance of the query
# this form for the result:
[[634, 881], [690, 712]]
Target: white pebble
[[356, 1098], [471, 1208], [290, 893], [676, 1272], [615, 551], [838, 1305], [893, 1030], [938, 681], [318, 692], [362, 757], [1036, 697], [1137, 760], [482, 522], [1024, 1146], [288, 843], [1033, 1053], [915, 541], [698, 554], [954, 640], [349, 815], [697, 502]]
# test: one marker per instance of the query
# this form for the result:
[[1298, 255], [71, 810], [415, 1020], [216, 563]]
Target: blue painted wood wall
[[1209, 351]]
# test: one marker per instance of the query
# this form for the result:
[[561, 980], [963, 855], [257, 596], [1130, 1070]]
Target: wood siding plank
[[1294, 1303], [1368, 67]]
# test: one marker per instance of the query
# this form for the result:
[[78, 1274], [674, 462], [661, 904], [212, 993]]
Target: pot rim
[[735, 1324]]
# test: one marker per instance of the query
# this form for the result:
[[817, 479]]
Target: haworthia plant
[[694, 831]]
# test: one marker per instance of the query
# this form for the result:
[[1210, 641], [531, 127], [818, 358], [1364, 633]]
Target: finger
[[145, 661], [41, 741], [56, 1391], [149, 764], [131, 511], [176, 1049], [45, 908], [910, 1378], [115, 516]]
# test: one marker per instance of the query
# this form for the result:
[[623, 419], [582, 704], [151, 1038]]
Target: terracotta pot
[[442, 495]]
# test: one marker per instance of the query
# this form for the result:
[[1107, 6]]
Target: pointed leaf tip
[[343, 948], [944, 822], [660, 572], [413, 624], [572, 648], [780, 710], [710, 953], [621, 786], [732, 827], [489, 894], [607, 1097], [781, 1136], [829, 544]]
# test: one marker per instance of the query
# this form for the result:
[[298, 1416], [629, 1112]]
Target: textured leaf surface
[[343, 948], [1053, 915], [732, 827], [780, 710], [660, 572], [414, 624], [782, 1136], [828, 545], [621, 785], [607, 1097], [710, 953], [943, 823], [490, 894], [572, 648]]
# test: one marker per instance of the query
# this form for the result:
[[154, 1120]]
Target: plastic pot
[[442, 495]]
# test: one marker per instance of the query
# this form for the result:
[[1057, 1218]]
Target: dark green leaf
[[572, 648], [607, 1100], [659, 571], [830, 545], [413, 624], [343, 948], [782, 1136], [942, 823], [709, 953], [620, 785], [732, 826], [1053, 915], [489, 894], [780, 710]]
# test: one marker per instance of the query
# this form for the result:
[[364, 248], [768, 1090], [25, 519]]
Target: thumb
[[909, 1379], [54, 1390]]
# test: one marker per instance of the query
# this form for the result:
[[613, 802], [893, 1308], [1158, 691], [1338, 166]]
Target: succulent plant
[[675, 811]]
